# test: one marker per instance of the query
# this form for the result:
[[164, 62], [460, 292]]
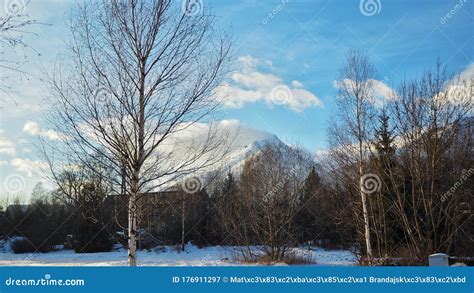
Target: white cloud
[[256, 79], [6, 145], [33, 128], [250, 63], [28, 166], [27, 150], [468, 73], [302, 99], [250, 85], [381, 92], [296, 83], [459, 89], [235, 97]]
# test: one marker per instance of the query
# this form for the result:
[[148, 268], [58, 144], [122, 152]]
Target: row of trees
[[417, 146], [48, 222], [272, 205]]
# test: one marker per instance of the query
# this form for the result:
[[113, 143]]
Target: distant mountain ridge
[[247, 141]]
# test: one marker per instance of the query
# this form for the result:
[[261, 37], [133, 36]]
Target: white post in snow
[[438, 260]]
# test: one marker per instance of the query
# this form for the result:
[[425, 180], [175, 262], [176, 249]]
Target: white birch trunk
[[132, 227], [365, 213]]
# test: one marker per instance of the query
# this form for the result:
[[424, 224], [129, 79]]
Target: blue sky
[[307, 40], [297, 44]]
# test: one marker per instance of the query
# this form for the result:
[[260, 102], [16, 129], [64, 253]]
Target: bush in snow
[[21, 245]]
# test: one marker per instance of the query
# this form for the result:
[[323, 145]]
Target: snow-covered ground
[[193, 256]]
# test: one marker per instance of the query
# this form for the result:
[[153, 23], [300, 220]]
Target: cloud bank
[[251, 85]]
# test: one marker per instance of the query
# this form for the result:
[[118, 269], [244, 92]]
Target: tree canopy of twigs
[[15, 23], [141, 75]]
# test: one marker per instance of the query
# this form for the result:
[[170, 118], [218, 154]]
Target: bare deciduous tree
[[263, 209], [13, 26], [432, 122], [143, 73], [422, 159], [350, 136]]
